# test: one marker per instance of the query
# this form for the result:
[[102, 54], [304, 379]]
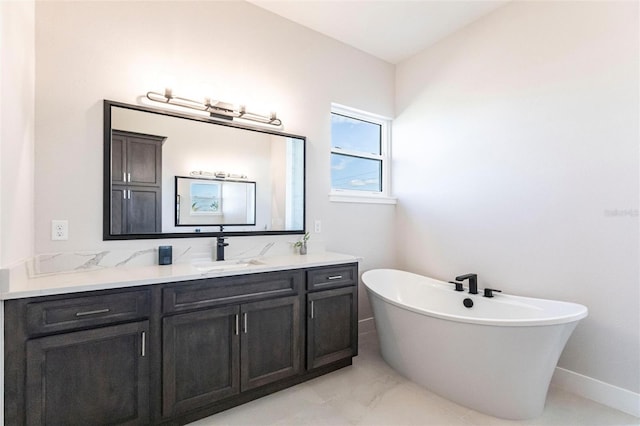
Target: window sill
[[354, 198]]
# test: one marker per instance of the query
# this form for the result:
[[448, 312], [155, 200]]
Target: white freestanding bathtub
[[496, 357]]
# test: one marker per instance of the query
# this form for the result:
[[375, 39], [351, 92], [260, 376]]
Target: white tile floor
[[371, 393]]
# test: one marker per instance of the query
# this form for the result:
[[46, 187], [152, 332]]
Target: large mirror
[[170, 175]]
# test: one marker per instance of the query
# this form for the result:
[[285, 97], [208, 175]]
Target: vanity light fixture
[[218, 175], [215, 108]]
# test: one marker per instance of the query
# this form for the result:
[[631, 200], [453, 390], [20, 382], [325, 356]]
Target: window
[[359, 156]]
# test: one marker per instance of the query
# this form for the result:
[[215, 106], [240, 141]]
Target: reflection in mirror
[[148, 150], [214, 202]]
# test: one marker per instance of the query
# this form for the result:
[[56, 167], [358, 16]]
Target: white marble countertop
[[20, 285]]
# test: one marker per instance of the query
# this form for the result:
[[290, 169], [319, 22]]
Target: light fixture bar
[[216, 109]]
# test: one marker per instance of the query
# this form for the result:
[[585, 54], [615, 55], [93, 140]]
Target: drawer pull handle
[[312, 313], [97, 311], [335, 277]]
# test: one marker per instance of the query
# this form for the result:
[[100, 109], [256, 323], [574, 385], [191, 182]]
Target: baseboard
[[366, 325], [595, 390]]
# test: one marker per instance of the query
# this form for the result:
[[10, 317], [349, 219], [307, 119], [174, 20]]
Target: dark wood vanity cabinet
[[136, 182], [172, 353], [78, 360], [332, 315], [213, 353]]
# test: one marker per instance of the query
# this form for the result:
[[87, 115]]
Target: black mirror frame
[[106, 200]]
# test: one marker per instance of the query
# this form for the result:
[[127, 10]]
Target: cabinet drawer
[[78, 312], [221, 291], [332, 277]]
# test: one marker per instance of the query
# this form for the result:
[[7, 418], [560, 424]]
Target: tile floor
[[370, 393]]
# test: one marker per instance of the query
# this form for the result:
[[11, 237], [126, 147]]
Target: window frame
[[355, 196]]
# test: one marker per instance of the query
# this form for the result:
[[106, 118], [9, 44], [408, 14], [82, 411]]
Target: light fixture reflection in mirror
[[143, 204]]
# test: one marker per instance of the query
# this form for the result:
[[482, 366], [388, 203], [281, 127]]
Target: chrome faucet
[[473, 282]]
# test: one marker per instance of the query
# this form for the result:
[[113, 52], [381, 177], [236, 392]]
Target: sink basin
[[223, 265]]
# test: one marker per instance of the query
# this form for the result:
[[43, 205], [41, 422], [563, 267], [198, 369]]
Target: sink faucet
[[473, 282], [220, 245]]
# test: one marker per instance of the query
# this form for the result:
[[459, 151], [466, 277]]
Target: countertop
[[19, 285]]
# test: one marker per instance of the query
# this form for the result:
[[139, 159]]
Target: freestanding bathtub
[[496, 357]]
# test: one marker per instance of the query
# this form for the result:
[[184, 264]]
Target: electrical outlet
[[59, 230], [317, 227]]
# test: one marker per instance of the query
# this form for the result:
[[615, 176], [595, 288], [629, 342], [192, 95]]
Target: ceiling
[[392, 30]]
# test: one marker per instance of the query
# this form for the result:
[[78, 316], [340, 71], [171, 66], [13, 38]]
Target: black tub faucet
[[458, 285], [473, 282], [488, 292]]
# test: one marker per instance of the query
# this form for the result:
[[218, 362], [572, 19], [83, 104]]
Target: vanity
[[166, 345], [172, 344]]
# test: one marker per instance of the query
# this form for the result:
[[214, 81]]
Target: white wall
[[17, 79], [89, 51], [516, 157]]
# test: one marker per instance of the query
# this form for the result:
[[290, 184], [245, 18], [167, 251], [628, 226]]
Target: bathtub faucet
[[473, 282]]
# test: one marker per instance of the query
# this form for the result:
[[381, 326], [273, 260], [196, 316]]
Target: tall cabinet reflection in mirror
[[146, 150], [136, 183]]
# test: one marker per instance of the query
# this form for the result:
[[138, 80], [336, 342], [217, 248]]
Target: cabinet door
[[144, 161], [135, 210], [118, 159], [143, 210], [118, 210], [91, 377], [199, 358], [270, 341], [332, 327]]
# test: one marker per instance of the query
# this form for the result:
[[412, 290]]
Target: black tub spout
[[473, 282]]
